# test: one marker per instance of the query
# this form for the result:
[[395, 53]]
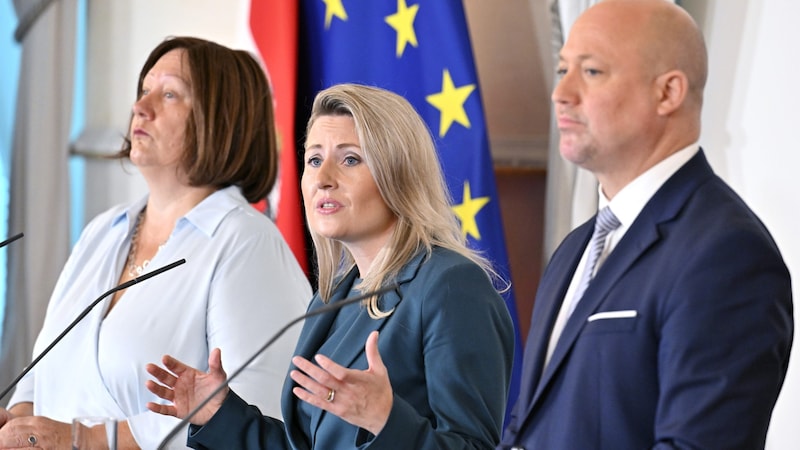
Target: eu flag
[[419, 49]]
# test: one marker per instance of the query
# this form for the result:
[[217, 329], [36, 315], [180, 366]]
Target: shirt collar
[[205, 216], [630, 201]]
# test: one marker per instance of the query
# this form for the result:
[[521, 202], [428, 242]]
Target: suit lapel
[[663, 207], [553, 288], [635, 242]]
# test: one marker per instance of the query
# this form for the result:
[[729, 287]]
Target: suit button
[[516, 447]]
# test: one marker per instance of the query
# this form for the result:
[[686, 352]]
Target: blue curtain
[[10, 53], [77, 164]]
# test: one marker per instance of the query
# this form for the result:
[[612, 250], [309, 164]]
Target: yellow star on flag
[[403, 22], [333, 8], [450, 103], [467, 211]]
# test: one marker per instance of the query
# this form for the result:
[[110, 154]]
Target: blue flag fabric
[[421, 50]]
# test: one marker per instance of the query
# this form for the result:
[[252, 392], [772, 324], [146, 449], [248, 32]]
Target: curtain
[[39, 203], [571, 196]]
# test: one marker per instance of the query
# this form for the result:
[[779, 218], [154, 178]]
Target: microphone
[[11, 239], [321, 310], [83, 314]]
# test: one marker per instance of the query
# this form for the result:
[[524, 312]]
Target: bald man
[[681, 337]]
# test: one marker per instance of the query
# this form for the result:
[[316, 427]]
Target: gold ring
[[331, 395], [32, 440]]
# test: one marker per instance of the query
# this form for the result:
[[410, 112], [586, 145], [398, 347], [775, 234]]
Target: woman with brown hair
[[202, 135]]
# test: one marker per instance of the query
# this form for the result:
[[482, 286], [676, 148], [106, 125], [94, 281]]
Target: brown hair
[[230, 138]]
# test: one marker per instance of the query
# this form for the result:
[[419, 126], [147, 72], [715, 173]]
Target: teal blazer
[[448, 347]]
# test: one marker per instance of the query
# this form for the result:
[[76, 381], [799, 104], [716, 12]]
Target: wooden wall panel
[[522, 192]]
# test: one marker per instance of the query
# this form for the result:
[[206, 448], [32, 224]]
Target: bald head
[[630, 91], [664, 35]]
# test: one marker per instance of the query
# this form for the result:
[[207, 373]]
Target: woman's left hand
[[361, 397], [35, 432]]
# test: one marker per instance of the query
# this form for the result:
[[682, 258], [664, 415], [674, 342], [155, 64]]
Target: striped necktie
[[605, 222]]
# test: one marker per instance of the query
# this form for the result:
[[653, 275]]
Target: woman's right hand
[[186, 387]]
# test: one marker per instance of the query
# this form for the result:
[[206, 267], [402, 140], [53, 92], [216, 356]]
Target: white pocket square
[[625, 314]]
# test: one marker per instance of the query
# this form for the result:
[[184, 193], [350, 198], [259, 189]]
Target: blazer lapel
[[352, 346], [316, 328], [315, 331], [663, 207]]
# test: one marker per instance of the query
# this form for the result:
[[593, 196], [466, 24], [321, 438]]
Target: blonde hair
[[400, 154]]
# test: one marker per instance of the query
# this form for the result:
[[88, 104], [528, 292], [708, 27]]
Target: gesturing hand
[[185, 387], [361, 397]]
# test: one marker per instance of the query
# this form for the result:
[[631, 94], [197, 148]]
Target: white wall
[[749, 121], [750, 131]]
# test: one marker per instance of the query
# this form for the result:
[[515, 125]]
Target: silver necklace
[[135, 270]]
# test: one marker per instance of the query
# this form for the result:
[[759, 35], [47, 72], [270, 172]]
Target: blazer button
[[516, 447]]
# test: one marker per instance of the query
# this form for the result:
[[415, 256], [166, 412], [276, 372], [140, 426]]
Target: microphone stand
[[11, 239], [83, 314]]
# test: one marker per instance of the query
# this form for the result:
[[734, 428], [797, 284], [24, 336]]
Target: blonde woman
[[378, 210]]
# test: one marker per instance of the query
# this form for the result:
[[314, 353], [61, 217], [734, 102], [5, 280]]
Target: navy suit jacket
[[681, 340], [448, 348]]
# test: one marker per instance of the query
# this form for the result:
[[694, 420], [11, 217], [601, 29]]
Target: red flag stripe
[[273, 25]]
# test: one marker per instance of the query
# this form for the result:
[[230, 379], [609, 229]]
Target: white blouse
[[240, 284]]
